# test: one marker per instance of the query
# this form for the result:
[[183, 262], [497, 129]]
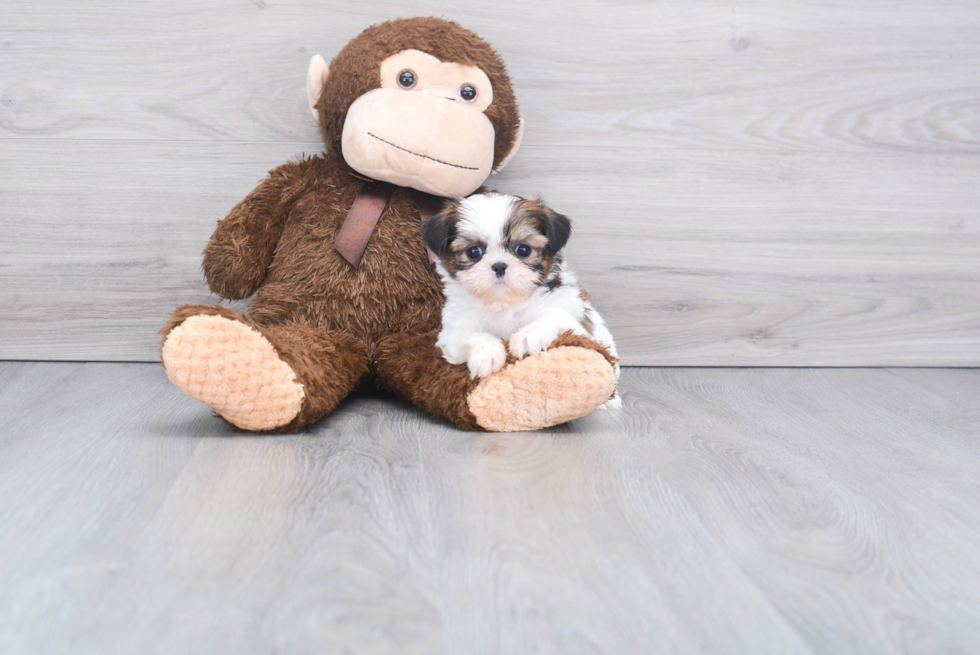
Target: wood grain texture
[[748, 75], [765, 270], [753, 183], [723, 510]]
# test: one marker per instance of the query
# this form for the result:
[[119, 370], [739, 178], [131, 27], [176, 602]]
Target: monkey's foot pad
[[536, 392], [234, 369]]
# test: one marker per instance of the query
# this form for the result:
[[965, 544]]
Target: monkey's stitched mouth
[[438, 161]]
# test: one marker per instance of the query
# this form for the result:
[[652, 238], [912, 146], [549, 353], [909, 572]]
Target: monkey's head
[[418, 102]]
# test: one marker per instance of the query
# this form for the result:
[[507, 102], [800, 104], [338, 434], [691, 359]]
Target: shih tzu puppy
[[505, 279]]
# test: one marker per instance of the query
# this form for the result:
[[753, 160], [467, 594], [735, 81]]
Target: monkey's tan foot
[[552, 387], [234, 369]]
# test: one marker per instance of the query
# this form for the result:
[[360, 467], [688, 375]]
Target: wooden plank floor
[[724, 510]]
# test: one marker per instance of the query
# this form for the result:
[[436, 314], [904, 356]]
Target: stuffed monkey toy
[[411, 111]]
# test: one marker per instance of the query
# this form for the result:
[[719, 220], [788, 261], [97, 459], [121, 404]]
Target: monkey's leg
[[412, 366], [567, 381], [260, 377]]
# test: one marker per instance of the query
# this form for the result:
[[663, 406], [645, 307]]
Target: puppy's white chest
[[504, 323]]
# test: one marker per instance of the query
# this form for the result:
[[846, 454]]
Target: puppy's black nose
[[499, 268]]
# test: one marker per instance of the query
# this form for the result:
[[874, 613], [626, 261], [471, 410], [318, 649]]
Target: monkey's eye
[[467, 92], [522, 250], [406, 79], [474, 252]]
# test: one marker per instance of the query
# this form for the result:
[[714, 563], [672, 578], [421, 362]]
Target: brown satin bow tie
[[366, 211]]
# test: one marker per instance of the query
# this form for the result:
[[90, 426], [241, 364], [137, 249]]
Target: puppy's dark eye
[[467, 92], [406, 79], [522, 251], [474, 252]]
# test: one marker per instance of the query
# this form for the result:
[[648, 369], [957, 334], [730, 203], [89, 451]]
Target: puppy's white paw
[[454, 353], [487, 355], [616, 402], [532, 339]]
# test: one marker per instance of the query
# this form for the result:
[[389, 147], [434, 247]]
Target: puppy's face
[[498, 248]]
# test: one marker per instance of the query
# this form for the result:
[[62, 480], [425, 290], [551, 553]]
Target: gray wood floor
[[753, 182], [724, 510]]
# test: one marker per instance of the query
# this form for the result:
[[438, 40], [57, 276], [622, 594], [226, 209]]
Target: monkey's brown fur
[[336, 325], [354, 72]]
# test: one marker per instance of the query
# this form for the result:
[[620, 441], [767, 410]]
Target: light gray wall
[[753, 183]]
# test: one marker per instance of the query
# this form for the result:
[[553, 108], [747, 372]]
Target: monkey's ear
[[513, 148], [439, 231], [316, 77]]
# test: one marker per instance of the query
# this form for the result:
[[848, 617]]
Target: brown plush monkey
[[410, 110]]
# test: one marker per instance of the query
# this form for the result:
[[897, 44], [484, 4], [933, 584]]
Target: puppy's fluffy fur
[[505, 279]]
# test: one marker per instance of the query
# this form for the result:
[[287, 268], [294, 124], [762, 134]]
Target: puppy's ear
[[557, 227], [439, 231]]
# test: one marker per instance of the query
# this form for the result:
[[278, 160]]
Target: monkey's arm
[[241, 248]]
